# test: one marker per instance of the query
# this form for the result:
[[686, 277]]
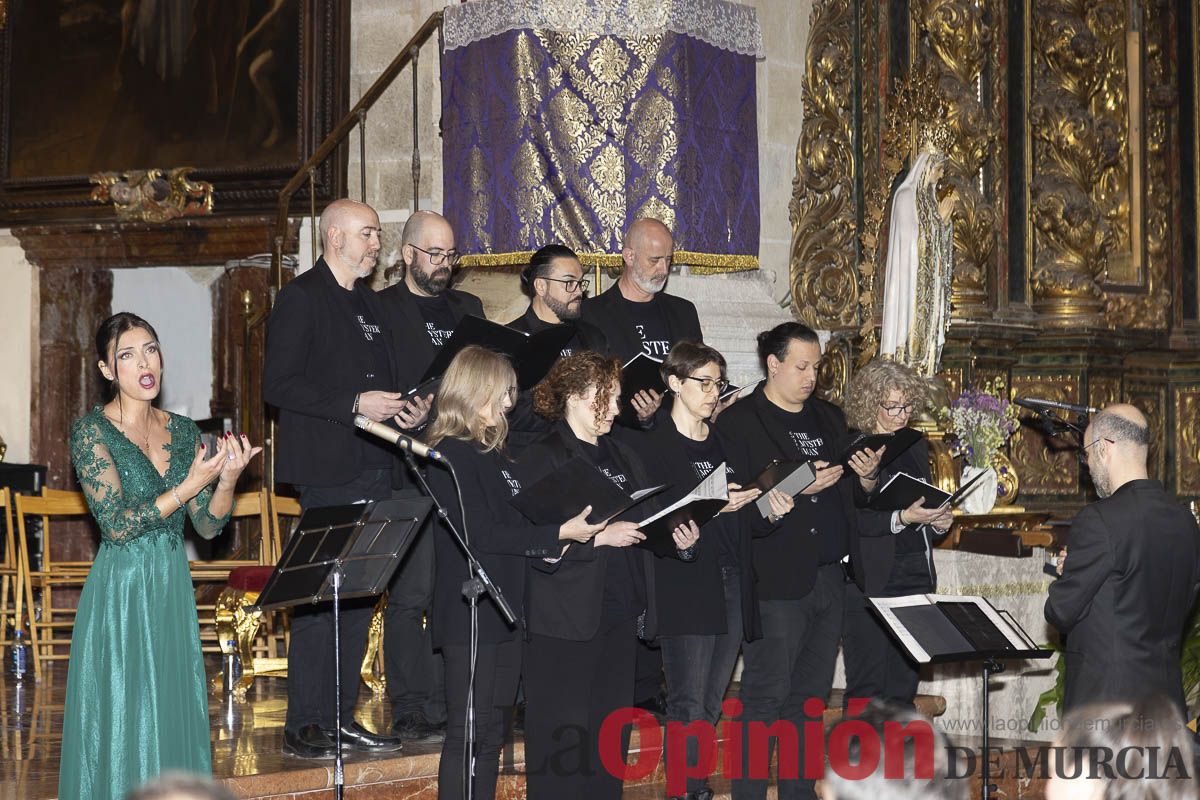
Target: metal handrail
[[356, 117]]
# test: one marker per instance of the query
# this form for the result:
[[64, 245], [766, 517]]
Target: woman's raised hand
[[238, 453], [204, 469]]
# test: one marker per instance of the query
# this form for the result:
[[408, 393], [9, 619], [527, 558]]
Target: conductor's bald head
[[1116, 445], [350, 238]]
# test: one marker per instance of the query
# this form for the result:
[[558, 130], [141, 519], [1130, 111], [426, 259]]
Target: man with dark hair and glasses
[[555, 283], [421, 312], [1131, 575]]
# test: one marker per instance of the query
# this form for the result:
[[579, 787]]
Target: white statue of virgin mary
[[919, 268]]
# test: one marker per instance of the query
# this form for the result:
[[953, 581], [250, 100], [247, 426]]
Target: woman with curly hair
[[470, 428], [894, 556], [583, 607]]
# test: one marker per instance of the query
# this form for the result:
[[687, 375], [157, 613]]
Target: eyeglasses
[[571, 284], [1083, 456], [707, 384], [897, 410], [439, 257]]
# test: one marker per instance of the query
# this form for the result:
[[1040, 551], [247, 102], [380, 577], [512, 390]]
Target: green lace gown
[[136, 702]]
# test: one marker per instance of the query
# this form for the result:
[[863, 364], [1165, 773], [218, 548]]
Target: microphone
[[396, 437], [1035, 404]]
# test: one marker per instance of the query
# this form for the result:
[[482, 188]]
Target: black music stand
[[343, 552], [941, 629]]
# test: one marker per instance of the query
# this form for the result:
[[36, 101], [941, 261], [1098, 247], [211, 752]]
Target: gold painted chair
[[50, 634], [248, 505], [237, 627]]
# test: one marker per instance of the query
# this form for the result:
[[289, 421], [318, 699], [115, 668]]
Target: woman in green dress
[[136, 701]]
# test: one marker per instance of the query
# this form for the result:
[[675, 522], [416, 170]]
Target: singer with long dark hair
[[584, 607], [469, 429], [136, 702]]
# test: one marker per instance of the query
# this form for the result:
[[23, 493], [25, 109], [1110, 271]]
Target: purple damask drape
[[564, 121]]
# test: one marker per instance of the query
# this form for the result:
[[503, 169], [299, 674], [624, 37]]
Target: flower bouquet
[[980, 423]]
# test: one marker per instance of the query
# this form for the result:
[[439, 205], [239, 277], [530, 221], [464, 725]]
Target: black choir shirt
[[650, 323], [380, 378], [705, 456], [625, 577], [574, 345], [801, 436], [439, 319]]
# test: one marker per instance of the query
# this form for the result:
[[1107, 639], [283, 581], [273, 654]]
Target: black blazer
[[524, 425], [1129, 582], [606, 312], [403, 321], [313, 369], [565, 599], [499, 535], [873, 559], [590, 336], [786, 554], [691, 595]]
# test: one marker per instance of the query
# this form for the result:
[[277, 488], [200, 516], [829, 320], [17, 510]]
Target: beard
[[651, 285], [564, 311], [1101, 481], [434, 282]]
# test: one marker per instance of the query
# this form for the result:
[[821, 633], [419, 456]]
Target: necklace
[[132, 435]]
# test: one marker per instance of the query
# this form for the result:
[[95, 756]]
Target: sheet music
[[886, 606], [713, 487], [1014, 639]]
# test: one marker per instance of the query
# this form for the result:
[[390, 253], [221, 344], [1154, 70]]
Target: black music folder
[[936, 628], [640, 373], [699, 505], [903, 490], [789, 477], [896, 442], [740, 391], [567, 490], [532, 354]]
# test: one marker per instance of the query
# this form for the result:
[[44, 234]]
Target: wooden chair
[[12, 576], [49, 636]]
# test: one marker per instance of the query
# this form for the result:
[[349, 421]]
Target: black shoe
[[519, 718], [415, 727], [656, 705], [310, 742], [359, 738]]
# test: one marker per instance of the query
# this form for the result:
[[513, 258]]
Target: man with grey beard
[[1131, 575]]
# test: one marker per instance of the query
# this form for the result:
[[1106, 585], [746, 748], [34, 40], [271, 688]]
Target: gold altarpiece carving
[[1074, 278]]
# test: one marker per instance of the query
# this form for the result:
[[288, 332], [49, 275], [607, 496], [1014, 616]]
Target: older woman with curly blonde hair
[[894, 555]]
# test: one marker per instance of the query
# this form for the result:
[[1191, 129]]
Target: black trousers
[[497, 672], [792, 662], [414, 671], [570, 688], [310, 684], [648, 671], [876, 665]]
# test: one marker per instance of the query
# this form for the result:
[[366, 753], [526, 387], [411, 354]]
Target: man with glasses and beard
[[420, 313], [1131, 576], [554, 281]]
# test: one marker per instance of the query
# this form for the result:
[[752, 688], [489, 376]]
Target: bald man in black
[[1130, 575]]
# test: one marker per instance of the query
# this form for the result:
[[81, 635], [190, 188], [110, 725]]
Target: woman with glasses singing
[[895, 548], [706, 606], [470, 429]]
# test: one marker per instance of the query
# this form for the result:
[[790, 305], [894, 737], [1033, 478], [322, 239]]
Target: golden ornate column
[[1078, 118], [960, 46], [824, 272]]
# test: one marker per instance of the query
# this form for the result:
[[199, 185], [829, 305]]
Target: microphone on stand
[[397, 438], [1036, 404]]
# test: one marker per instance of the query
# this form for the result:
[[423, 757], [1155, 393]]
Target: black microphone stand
[[1055, 426], [475, 586]]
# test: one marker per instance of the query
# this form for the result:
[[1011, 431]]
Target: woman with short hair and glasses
[[470, 430], [895, 548], [706, 606]]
